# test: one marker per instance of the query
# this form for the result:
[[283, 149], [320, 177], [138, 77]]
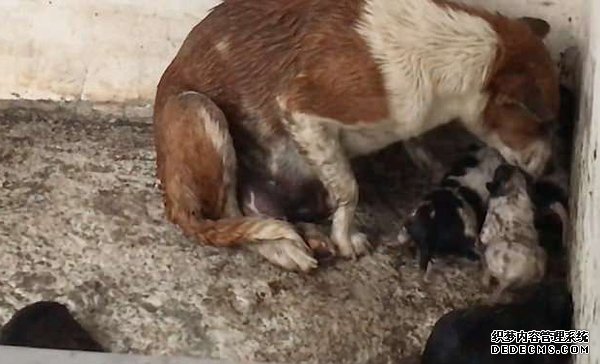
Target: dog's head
[[523, 93]]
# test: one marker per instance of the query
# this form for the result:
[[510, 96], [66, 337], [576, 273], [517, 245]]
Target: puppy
[[47, 325], [448, 221], [509, 239], [295, 89], [464, 336]]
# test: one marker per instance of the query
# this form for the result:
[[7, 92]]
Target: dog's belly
[[280, 184], [367, 140], [370, 138]]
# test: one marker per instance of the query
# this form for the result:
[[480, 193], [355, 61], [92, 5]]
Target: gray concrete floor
[[81, 222]]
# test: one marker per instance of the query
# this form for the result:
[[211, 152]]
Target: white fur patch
[[222, 46], [434, 61]]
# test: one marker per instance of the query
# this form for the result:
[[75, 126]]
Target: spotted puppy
[[448, 221], [509, 239]]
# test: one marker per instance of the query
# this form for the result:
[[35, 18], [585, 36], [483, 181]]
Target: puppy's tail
[[197, 167]]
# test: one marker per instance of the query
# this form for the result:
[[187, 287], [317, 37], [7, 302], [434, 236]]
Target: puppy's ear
[[539, 27]]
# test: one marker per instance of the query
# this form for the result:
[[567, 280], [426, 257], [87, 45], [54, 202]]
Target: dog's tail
[[196, 164]]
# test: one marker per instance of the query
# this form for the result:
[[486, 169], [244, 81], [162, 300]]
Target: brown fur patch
[[340, 79], [524, 91], [306, 51], [516, 128], [189, 166]]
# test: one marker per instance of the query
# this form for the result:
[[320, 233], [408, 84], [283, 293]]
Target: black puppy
[[47, 325], [464, 336]]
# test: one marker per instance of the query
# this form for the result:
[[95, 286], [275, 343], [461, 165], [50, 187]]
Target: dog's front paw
[[355, 245]]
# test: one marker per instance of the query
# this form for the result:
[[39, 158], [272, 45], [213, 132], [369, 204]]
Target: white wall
[[585, 253], [107, 50], [116, 50]]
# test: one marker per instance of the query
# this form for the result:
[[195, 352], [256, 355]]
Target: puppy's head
[[509, 179], [523, 95]]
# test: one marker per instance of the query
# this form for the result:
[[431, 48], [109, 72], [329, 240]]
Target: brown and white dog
[[279, 95]]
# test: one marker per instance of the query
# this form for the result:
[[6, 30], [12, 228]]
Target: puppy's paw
[[288, 254]]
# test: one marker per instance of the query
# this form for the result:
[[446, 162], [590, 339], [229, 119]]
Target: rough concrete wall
[[110, 50], [115, 50], [585, 253]]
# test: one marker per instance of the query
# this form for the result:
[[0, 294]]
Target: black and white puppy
[[448, 220], [509, 239], [464, 336]]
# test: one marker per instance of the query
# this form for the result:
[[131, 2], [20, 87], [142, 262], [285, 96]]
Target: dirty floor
[[81, 222]]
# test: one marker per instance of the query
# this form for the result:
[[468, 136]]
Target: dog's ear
[[539, 27]]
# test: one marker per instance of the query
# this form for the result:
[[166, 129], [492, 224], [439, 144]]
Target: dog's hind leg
[[196, 164]]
